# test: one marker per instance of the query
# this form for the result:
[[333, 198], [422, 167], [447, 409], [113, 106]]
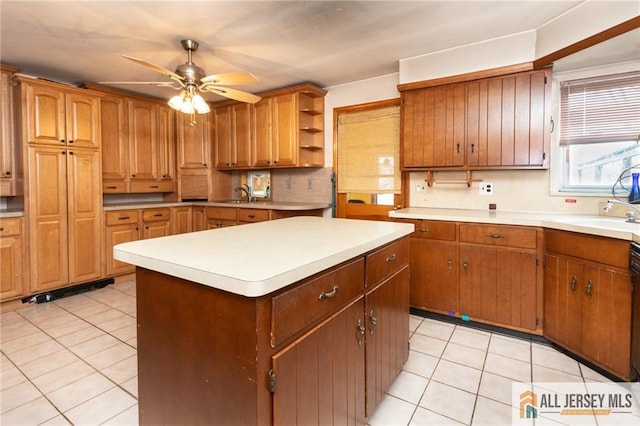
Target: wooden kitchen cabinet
[[8, 169], [143, 149], [219, 217], [115, 156], [11, 259], [500, 279], [181, 220], [156, 222], [587, 298], [121, 227], [493, 123], [252, 215], [233, 136], [166, 140], [199, 218], [194, 155]]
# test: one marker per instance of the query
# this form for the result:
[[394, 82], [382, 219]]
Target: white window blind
[[601, 109], [369, 151]]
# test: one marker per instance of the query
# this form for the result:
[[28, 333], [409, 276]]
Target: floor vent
[[67, 291]]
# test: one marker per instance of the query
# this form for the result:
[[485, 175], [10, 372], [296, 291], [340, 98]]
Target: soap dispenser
[[634, 194]]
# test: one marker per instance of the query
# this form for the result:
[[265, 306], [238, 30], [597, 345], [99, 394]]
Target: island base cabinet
[[323, 369]]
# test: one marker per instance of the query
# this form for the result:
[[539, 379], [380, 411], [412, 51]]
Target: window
[[368, 155], [599, 130]]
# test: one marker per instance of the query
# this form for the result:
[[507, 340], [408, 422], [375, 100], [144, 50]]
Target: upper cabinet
[[492, 123], [284, 129], [139, 143], [8, 170]]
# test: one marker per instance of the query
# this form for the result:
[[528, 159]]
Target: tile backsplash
[[302, 185]]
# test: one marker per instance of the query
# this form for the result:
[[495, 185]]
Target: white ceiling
[[281, 42]]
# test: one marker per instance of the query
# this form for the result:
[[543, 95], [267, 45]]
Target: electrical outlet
[[419, 187], [486, 188]]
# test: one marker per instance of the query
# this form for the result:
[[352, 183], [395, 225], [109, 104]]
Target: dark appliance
[[634, 266]]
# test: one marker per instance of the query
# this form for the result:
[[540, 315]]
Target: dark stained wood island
[[302, 320]]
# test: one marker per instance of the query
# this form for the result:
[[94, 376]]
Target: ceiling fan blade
[[154, 67], [229, 78], [237, 95]]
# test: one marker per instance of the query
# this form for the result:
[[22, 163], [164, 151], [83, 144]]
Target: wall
[[513, 190]]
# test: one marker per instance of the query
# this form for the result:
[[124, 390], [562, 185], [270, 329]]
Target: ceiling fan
[[192, 80]]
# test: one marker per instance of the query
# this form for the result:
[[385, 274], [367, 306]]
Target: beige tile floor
[[73, 361]]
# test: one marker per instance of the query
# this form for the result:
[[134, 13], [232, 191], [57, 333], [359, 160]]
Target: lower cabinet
[[587, 298], [323, 350], [11, 259], [199, 218], [121, 227], [182, 220], [156, 223]]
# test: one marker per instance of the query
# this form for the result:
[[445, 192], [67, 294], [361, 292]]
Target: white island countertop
[[586, 224], [255, 259]]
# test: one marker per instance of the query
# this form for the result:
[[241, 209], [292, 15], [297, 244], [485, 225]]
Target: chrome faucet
[[245, 188], [631, 216]]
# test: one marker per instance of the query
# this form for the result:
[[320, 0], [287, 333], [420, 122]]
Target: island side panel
[[196, 353]]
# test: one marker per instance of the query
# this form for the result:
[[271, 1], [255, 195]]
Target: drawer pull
[[157, 215], [360, 332], [154, 187], [496, 236], [373, 321], [329, 295], [574, 282], [465, 265], [424, 230], [252, 216], [1, 229], [391, 258], [112, 187], [124, 218], [449, 261], [589, 288]]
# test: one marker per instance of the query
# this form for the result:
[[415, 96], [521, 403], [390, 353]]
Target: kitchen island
[[300, 320]]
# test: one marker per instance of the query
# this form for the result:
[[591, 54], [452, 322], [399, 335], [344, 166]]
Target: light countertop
[[588, 224], [271, 205], [256, 259]]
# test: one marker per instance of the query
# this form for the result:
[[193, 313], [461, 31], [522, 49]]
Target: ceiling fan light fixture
[[176, 102], [199, 104]]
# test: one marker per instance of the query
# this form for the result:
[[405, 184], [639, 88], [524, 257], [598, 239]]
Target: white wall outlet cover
[[486, 188]]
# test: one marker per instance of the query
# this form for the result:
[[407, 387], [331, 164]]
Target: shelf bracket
[[431, 179]]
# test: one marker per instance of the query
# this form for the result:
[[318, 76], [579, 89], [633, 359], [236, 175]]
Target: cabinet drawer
[[151, 186], [313, 300], [498, 235], [10, 227], [115, 187], [607, 251], [228, 213], [253, 215], [433, 229], [121, 217], [154, 215], [384, 262]]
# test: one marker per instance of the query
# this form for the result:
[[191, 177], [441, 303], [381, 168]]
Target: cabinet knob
[[133, 175], [61, 140], [70, 141], [449, 262], [1, 229], [7, 173]]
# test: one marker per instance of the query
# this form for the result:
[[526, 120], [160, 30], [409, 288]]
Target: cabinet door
[[224, 154], [193, 141], [156, 229], [320, 378], [7, 159], [434, 275], [82, 120], [84, 214], [416, 107], [113, 113], [182, 220], [606, 325], [241, 140], [166, 143], [387, 335], [199, 219], [143, 154], [285, 129], [48, 224], [45, 117], [262, 133], [11, 276], [115, 235]]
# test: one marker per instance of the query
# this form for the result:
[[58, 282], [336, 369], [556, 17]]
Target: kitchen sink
[[232, 201], [616, 224]]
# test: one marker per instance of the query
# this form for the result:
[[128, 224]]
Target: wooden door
[[285, 129], [476, 124], [11, 275], [115, 235], [7, 159], [82, 120], [262, 133], [181, 220], [166, 142], [515, 288], [113, 113], [84, 214], [224, 154], [193, 141], [606, 326], [477, 281], [570, 313], [48, 223], [434, 275], [320, 378], [143, 147], [387, 335], [241, 118], [416, 127], [156, 229], [44, 114], [199, 219]]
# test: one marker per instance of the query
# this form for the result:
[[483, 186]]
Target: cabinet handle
[[360, 332], [252, 216], [424, 230], [449, 261], [64, 152], [158, 215], [589, 288], [391, 258], [124, 217], [574, 282], [330, 294], [458, 148], [473, 148], [133, 175], [70, 152], [7, 173], [71, 141], [495, 236], [373, 321], [1, 229], [111, 187], [154, 187], [465, 264], [205, 164]]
